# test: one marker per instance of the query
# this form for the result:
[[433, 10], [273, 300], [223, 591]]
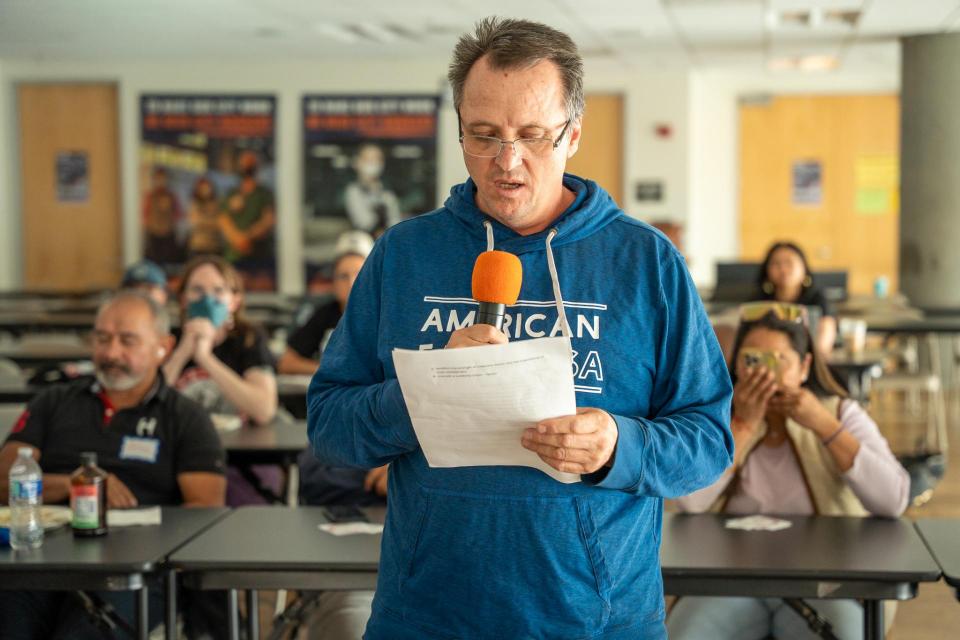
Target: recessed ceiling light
[[813, 18], [848, 17], [807, 64], [818, 63]]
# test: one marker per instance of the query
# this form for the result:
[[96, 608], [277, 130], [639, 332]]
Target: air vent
[[814, 18], [367, 32]]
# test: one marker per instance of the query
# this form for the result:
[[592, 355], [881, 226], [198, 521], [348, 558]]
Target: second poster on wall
[[369, 162]]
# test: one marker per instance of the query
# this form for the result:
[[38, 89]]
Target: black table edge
[[953, 581]]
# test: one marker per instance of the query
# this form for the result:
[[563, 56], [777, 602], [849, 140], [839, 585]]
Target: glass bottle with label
[[88, 497]]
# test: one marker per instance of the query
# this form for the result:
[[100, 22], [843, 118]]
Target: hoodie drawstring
[[561, 312], [564, 326], [489, 227]]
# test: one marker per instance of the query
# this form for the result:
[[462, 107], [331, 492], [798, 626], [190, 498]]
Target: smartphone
[[760, 358], [344, 513]]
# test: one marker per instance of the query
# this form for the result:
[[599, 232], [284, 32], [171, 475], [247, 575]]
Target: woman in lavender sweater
[[802, 447]]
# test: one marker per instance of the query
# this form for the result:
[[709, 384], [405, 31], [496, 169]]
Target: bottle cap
[[25, 451], [88, 458]]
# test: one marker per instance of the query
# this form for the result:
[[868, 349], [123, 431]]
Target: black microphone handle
[[491, 313]]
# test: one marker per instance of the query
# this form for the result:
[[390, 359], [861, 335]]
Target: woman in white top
[[802, 447]]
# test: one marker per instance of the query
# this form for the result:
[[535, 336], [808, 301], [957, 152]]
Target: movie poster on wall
[[208, 182], [369, 162]]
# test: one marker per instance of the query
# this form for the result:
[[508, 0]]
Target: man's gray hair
[[519, 44], [161, 319]]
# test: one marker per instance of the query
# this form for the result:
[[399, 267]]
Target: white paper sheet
[[470, 407], [134, 517], [351, 528], [758, 523]]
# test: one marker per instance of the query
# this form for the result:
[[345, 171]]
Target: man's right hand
[[118, 495], [476, 336]]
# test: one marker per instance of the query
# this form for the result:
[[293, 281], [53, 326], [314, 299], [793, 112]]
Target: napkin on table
[[133, 517], [758, 523], [351, 528]]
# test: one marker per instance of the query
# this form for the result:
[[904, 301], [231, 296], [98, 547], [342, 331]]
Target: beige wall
[[697, 164], [855, 139], [650, 97]]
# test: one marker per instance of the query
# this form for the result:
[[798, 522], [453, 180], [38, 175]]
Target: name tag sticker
[[144, 449]]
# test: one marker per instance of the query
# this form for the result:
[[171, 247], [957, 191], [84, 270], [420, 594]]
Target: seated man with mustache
[[159, 448]]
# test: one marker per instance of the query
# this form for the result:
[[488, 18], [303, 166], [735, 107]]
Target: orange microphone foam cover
[[496, 277]]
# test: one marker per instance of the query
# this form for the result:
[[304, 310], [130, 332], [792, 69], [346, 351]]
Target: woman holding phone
[[801, 448]]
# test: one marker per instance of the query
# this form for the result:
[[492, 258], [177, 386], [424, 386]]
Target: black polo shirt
[[146, 446]]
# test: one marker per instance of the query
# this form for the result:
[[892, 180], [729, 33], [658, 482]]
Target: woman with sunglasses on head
[[801, 448], [785, 276]]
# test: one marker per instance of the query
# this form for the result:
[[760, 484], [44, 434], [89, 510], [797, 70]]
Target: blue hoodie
[[507, 552]]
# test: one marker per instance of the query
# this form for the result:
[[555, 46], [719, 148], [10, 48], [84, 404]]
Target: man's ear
[[575, 131], [167, 343]]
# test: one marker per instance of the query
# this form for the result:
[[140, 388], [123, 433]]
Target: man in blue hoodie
[[508, 552]]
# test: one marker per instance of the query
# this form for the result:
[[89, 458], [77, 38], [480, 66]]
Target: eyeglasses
[[753, 311], [490, 147]]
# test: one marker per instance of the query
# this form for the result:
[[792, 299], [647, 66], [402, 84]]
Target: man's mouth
[[113, 370], [508, 185]]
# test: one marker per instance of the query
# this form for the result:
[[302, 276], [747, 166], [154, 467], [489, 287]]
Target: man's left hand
[[376, 481], [581, 443]]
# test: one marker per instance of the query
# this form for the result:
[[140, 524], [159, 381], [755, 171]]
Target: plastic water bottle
[[26, 498], [881, 287]]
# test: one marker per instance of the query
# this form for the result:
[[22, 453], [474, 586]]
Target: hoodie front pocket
[[507, 567]]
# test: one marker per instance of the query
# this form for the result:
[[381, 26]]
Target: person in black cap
[[149, 277], [306, 343]]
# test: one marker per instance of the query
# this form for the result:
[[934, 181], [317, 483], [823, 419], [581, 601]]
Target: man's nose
[[510, 156], [112, 349]]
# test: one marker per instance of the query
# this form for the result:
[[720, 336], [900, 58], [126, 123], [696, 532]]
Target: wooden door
[[70, 186], [850, 219], [600, 157]]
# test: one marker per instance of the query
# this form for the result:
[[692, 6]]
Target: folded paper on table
[[758, 523], [133, 517], [470, 407], [226, 422], [351, 528]]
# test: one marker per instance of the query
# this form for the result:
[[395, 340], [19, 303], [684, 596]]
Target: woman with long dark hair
[[785, 276], [801, 447]]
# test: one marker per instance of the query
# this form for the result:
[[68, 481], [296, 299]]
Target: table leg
[[143, 613], [865, 379], [253, 615], [292, 493], [873, 619], [233, 615], [170, 619], [293, 484]]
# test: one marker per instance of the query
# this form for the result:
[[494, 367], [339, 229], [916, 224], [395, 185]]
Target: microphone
[[496, 283]]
